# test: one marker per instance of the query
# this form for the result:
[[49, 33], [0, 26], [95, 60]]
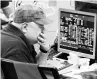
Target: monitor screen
[[77, 32]]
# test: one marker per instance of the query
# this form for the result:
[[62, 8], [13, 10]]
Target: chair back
[[20, 70]]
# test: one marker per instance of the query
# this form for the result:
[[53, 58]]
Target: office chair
[[19, 70]]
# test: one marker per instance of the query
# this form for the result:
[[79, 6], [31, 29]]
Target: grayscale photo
[[48, 39]]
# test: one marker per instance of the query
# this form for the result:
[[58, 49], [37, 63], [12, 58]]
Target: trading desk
[[73, 71], [64, 71]]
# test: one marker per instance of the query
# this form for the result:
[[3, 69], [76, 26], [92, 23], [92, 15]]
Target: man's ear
[[24, 27]]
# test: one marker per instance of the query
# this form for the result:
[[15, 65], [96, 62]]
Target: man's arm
[[19, 54], [44, 48], [16, 50], [42, 58]]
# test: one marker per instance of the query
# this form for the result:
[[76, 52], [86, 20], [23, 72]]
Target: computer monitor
[[77, 32]]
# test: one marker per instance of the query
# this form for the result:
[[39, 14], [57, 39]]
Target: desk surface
[[89, 73], [74, 72]]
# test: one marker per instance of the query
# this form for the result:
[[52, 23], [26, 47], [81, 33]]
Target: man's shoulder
[[11, 44], [14, 47], [7, 34], [11, 39]]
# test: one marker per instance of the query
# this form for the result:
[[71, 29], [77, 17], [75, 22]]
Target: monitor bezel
[[95, 32]]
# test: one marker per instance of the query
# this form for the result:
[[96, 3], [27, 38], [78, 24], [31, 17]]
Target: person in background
[[5, 11], [27, 29]]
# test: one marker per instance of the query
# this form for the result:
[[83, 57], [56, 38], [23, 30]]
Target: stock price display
[[76, 32]]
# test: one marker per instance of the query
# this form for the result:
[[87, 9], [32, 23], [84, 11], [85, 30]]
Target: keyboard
[[52, 53], [59, 63]]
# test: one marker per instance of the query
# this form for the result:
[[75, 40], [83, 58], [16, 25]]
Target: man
[[27, 29]]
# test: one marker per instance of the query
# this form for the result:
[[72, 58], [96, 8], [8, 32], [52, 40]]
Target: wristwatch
[[42, 50]]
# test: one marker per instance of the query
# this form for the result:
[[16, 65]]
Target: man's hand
[[42, 41], [44, 47]]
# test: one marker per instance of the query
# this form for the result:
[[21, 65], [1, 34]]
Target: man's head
[[31, 20]]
